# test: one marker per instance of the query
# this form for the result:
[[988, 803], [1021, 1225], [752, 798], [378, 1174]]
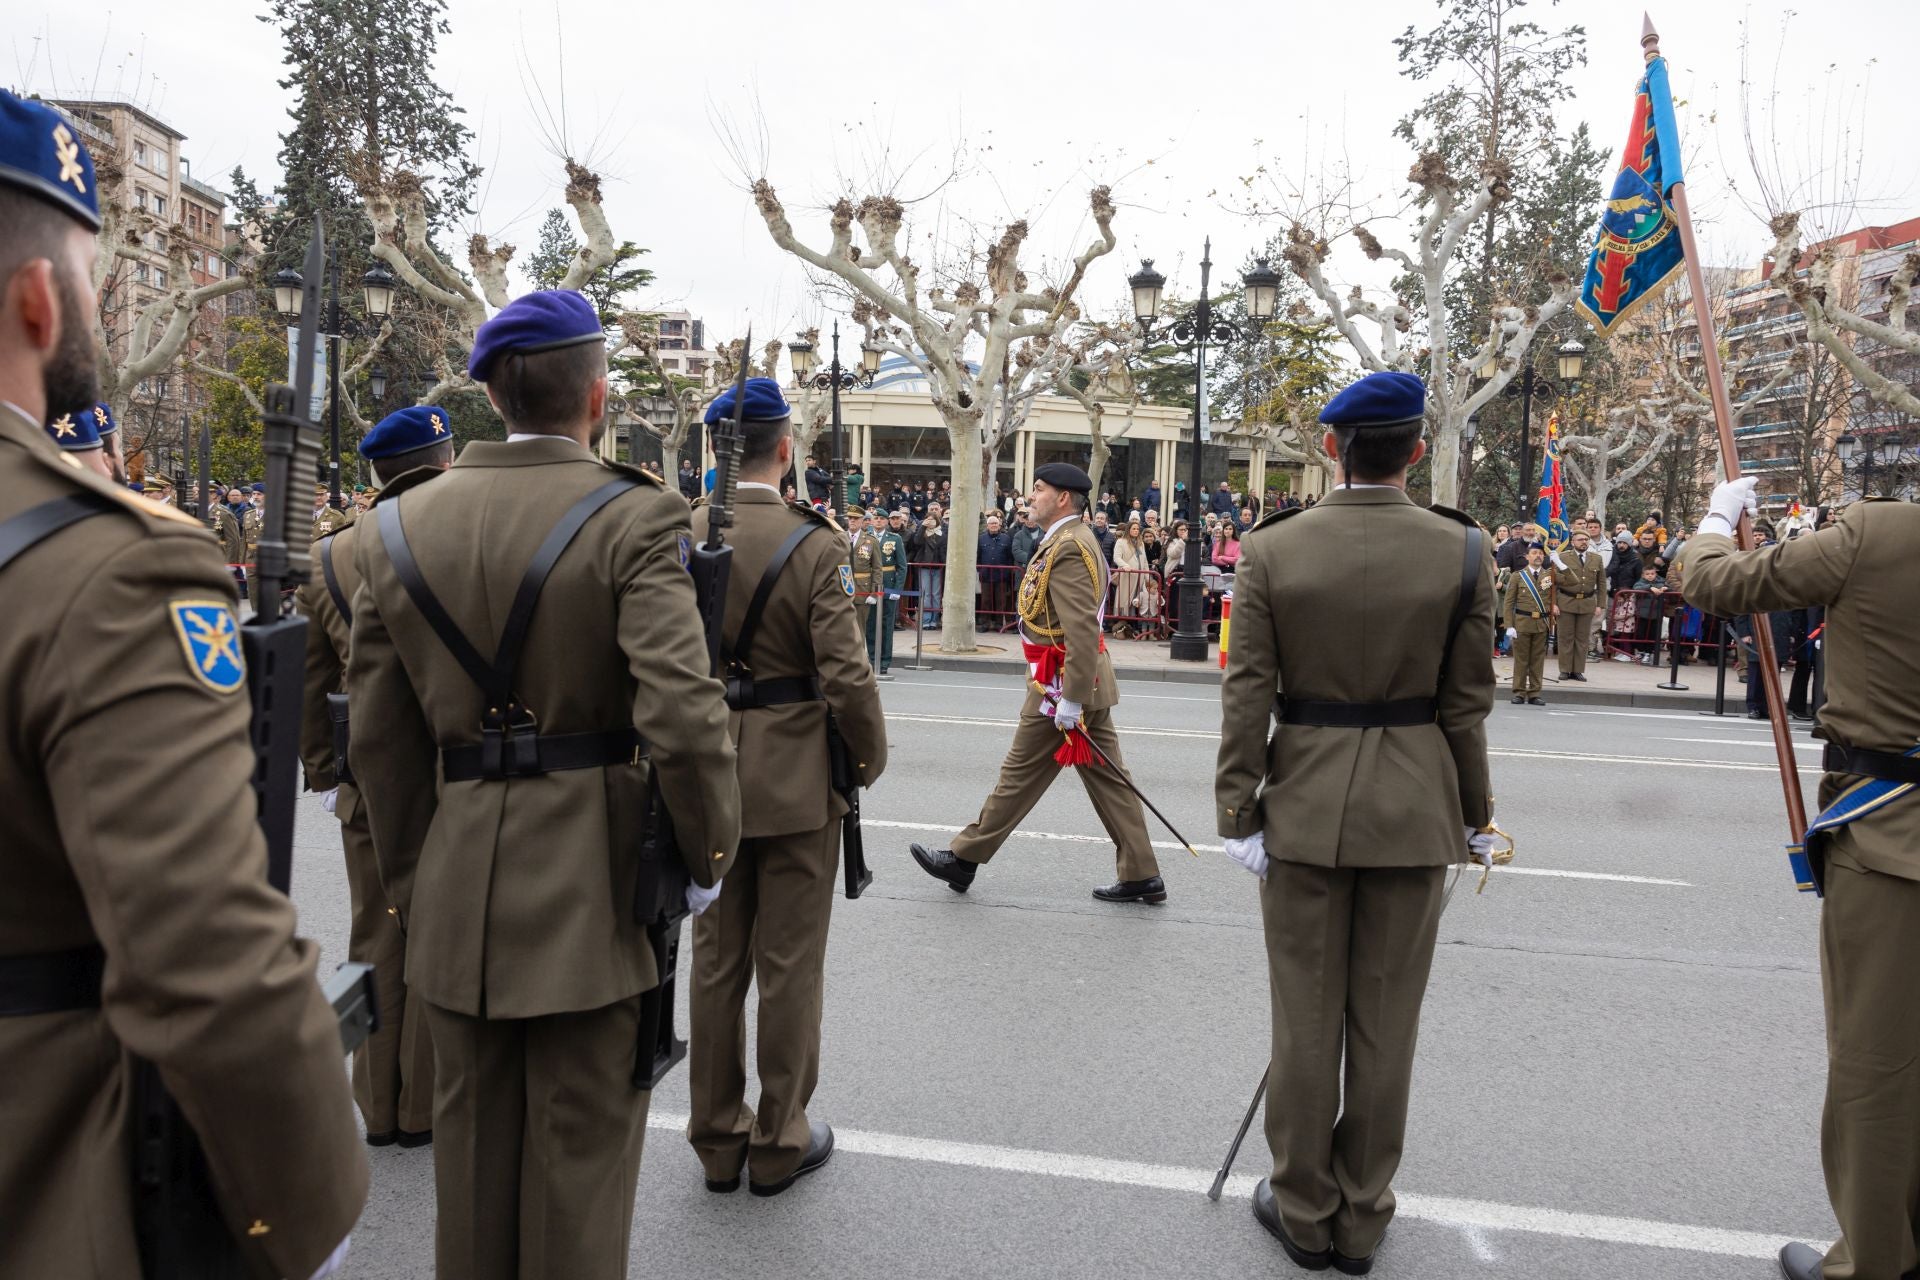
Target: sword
[[1126, 781], [1246, 1123]]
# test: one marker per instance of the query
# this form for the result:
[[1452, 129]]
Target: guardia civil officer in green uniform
[[509, 817], [1862, 569], [130, 926], [791, 664], [393, 1069], [1070, 687], [1527, 611], [1579, 580], [1351, 810], [891, 567]]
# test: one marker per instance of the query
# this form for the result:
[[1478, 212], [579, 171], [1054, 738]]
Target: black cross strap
[[27, 530], [333, 581], [750, 623], [1470, 566], [744, 693]]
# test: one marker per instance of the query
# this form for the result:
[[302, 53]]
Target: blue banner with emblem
[[1638, 249]]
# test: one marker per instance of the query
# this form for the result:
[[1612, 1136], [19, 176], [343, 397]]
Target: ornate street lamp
[[1572, 356], [286, 292], [377, 286], [377, 382], [835, 378]]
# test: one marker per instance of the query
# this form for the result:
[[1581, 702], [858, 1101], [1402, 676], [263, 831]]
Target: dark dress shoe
[[819, 1151], [408, 1138], [1575, 675], [1800, 1262], [1536, 702], [386, 1139], [942, 865], [1756, 715], [1351, 1266], [1519, 699], [1268, 1213], [1152, 889], [726, 1186]]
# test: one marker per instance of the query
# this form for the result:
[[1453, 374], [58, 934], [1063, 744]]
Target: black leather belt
[[51, 981], [1521, 613], [1358, 715], [744, 693], [528, 755], [1886, 765]]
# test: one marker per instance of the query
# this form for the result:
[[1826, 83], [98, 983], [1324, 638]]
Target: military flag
[[1549, 512], [1638, 248]]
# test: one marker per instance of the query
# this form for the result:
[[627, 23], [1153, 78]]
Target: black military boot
[[942, 865], [1152, 889], [1268, 1214]]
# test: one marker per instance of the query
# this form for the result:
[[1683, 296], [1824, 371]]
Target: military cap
[[156, 483], [1536, 545], [854, 510], [414, 427], [75, 432], [1377, 400], [40, 153], [545, 320], [259, 486], [1064, 475], [762, 402], [103, 420]]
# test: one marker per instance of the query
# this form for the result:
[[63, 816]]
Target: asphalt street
[[1620, 1066]]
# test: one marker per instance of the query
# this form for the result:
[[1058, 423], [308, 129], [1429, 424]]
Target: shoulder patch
[[210, 641], [846, 578], [1275, 517], [685, 546]]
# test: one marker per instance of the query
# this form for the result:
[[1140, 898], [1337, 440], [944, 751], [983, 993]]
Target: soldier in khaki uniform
[[1527, 612], [1862, 570], [1579, 581], [1071, 687], [803, 662], [251, 524], [509, 832], [327, 518], [1374, 782], [393, 1070], [866, 576], [128, 926]]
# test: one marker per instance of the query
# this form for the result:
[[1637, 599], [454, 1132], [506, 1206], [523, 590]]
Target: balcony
[[1768, 464], [1760, 430], [1771, 324]]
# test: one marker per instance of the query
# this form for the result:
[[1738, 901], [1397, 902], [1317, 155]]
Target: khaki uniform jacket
[[805, 630], [1866, 570], [866, 564], [1060, 597], [1583, 574], [1519, 601], [517, 895], [330, 520], [126, 819], [1335, 797], [233, 545], [251, 525]]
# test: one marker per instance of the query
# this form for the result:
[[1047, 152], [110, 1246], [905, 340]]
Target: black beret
[[1064, 475]]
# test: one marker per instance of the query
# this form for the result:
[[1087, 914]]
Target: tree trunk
[[1602, 483], [965, 469], [1102, 451], [1445, 478]]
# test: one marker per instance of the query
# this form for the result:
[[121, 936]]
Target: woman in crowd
[[1226, 547], [927, 552], [1129, 566]]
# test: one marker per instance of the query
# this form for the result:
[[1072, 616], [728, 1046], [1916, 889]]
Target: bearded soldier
[[1072, 687], [1579, 578]]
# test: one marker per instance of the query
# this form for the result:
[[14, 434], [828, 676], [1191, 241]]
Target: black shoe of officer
[[1351, 1266], [1268, 1214], [1756, 715], [819, 1151], [942, 865], [1519, 699], [1536, 702], [1152, 889], [1575, 675], [1800, 1262]]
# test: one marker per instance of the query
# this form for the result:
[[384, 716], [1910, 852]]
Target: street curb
[[1652, 699]]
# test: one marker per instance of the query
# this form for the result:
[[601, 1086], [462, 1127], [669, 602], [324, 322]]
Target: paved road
[[1620, 1066]]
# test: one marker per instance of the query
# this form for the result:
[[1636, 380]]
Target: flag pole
[[1764, 658]]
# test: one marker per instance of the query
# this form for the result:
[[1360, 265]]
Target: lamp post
[[833, 378], [376, 287], [1886, 453], [1571, 359], [1193, 330]]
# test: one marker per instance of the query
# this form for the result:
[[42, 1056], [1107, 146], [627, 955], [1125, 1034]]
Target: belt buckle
[[522, 741]]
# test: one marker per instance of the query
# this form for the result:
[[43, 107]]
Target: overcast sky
[[1175, 105]]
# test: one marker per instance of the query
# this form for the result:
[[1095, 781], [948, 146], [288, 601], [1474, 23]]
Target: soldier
[[250, 526], [78, 436], [510, 817], [128, 927], [1072, 686], [110, 441], [393, 1070], [1527, 611], [327, 518], [1865, 844], [891, 566], [1579, 578], [797, 661], [866, 577], [1376, 782]]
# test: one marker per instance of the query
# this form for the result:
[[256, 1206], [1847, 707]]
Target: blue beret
[[103, 420], [414, 427], [1377, 400], [1536, 545], [75, 431], [259, 486], [541, 321], [41, 153], [764, 403]]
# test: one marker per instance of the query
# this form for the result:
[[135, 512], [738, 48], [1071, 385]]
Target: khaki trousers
[[1029, 770], [769, 924], [1870, 1130], [1529, 658], [1348, 953], [393, 1070], [536, 1143], [1574, 632]]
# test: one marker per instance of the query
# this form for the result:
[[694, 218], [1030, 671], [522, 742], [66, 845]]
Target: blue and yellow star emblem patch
[[211, 642], [846, 578]]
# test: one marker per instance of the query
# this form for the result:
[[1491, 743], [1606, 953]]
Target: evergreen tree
[[548, 265]]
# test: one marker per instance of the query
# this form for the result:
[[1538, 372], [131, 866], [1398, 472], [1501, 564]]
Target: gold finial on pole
[[1649, 38]]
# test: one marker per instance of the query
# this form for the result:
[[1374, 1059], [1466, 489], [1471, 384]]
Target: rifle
[[846, 781], [660, 895], [178, 1226]]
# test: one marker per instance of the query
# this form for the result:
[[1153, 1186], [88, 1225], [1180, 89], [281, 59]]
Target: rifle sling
[[744, 693], [23, 532], [333, 581]]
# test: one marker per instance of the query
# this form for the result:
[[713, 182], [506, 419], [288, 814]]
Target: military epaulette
[[1460, 517], [629, 468], [1274, 517], [814, 513]]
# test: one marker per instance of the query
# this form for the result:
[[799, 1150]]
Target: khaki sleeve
[[324, 675], [148, 767], [1074, 586], [840, 654], [1810, 569], [679, 707], [1466, 699], [1246, 699], [1506, 602]]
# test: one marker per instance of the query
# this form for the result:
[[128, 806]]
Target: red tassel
[[1075, 751]]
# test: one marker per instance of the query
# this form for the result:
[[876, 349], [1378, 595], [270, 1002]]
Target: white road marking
[[1063, 838], [1733, 720], [1468, 1215], [1477, 1241], [1744, 742]]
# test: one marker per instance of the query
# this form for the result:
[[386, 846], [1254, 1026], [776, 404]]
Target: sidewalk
[[1608, 684]]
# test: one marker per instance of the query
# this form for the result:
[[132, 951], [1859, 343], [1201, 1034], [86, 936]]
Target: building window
[[159, 278], [139, 198], [160, 206]]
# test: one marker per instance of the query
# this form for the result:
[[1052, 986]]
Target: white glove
[[1511, 633], [329, 799], [1730, 498], [1066, 715], [335, 1260], [1250, 853], [698, 899], [1480, 846]]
